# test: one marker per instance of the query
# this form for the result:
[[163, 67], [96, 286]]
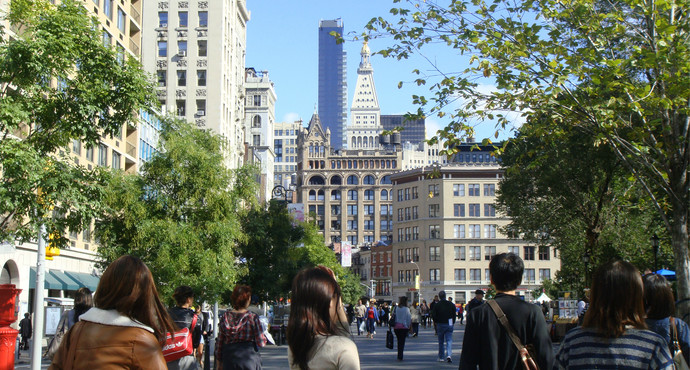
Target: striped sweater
[[635, 349]]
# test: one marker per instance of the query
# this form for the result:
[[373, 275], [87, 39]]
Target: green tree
[[180, 215], [616, 69], [58, 83]]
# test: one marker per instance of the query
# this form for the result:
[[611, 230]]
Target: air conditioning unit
[[162, 25], [182, 53], [201, 113]]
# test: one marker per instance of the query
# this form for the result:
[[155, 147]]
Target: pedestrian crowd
[[627, 322]]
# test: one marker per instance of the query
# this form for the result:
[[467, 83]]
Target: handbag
[[525, 356], [678, 359], [389, 339], [60, 332], [179, 343]]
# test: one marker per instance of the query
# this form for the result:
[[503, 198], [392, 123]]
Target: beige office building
[[447, 230]]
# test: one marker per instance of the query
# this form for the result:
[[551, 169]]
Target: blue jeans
[[359, 322], [371, 325], [445, 333]]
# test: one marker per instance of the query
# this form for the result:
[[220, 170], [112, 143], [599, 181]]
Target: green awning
[[84, 279], [67, 280]]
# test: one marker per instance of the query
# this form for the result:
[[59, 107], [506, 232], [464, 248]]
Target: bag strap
[[504, 321], [674, 335], [194, 322]]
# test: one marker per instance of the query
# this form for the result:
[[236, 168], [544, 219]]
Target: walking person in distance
[[403, 321], [487, 343], [184, 317], [443, 314]]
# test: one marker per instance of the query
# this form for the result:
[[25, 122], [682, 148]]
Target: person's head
[[128, 287], [241, 297], [442, 295], [450, 299], [436, 297], [403, 301], [316, 310], [26, 315], [83, 301], [658, 297], [479, 294], [183, 296], [616, 299], [506, 271], [359, 301]]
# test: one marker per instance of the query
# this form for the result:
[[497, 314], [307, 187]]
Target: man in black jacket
[[486, 343], [444, 318]]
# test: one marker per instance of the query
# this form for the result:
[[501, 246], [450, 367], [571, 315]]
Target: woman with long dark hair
[[240, 334], [660, 305], [614, 333], [127, 327], [317, 327]]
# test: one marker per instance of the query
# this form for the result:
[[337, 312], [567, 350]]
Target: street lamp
[[419, 292], [279, 191], [655, 247], [585, 260]]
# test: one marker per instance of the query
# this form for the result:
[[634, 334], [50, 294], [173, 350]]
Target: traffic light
[[52, 249]]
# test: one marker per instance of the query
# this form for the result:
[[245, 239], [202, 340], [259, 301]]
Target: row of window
[[460, 231], [475, 158], [473, 190], [543, 253], [351, 180], [460, 276], [102, 159], [287, 168], [181, 77], [279, 142], [289, 150], [411, 213], [351, 195], [182, 18], [201, 48], [288, 158], [181, 107], [363, 164], [286, 133]]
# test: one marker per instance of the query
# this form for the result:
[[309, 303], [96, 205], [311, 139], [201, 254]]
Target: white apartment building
[[285, 147], [259, 118], [196, 50]]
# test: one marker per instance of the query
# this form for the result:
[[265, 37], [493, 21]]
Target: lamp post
[[655, 247], [279, 191], [585, 260], [419, 273]]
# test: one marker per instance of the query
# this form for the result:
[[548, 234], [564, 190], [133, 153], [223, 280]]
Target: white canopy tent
[[543, 298]]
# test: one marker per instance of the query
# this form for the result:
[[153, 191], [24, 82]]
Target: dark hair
[[241, 296], [442, 295], [128, 287], [313, 290], [83, 301], [403, 301], [182, 293], [506, 271], [616, 299], [658, 297]]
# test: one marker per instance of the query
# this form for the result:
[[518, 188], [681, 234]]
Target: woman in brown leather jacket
[[126, 328]]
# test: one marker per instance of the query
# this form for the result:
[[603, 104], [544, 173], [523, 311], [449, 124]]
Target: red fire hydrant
[[8, 315]]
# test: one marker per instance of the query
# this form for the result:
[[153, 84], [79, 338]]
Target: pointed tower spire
[[366, 54], [365, 125]]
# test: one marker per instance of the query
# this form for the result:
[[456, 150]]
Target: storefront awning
[[67, 280]]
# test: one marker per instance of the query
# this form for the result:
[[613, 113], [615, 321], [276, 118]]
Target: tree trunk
[[679, 239]]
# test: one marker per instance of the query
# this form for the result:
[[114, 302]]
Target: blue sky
[[282, 38]]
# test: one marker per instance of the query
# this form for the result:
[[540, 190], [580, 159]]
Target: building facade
[[447, 230], [196, 50], [332, 106], [259, 118], [365, 127], [413, 132], [285, 148]]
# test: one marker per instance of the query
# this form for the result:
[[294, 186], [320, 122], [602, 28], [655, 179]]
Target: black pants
[[241, 356], [415, 328], [402, 336]]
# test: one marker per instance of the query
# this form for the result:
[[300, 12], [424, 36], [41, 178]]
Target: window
[[474, 232], [369, 180], [459, 190], [184, 19], [108, 8], [475, 253], [489, 253], [459, 210], [460, 275], [415, 214], [415, 256], [202, 45], [434, 253], [352, 195], [475, 275], [459, 253], [201, 79], [368, 195], [415, 193], [76, 146], [86, 236], [529, 254], [102, 155], [433, 190], [89, 153], [400, 195], [162, 78], [487, 275], [162, 19], [407, 194], [181, 107], [120, 53], [415, 233], [97, 2], [352, 180], [544, 274], [474, 210], [434, 232], [473, 190], [459, 231], [434, 210], [335, 194], [201, 108], [352, 210], [434, 274], [335, 210], [116, 160], [203, 19], [384, 195], [181, 77], [489, 210], [162, 48], [544, 254], [352, 224], [514, 250], [257, 100], [489, 190], [368, 209], [121, 20], [108, 39], [182, 47], [528, 277], [400, 256], [401, 276], [490, 231]]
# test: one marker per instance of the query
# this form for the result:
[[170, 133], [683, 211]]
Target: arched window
[[365, 142], [386, 179], [335, 194], [316, 180], [352, 195], [320, 195], [336, 180], [352, 180], [256, 122], [368, 195], [312, 195], [369, 180], [384, 194], [359, 141], [354, 142]]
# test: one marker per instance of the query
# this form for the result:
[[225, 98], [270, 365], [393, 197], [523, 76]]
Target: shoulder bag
[[678, 359], [389, 339], [62, 328], [179, 343], [525, 356]]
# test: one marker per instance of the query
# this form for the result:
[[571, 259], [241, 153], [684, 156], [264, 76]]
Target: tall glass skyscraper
[[332, 82]]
